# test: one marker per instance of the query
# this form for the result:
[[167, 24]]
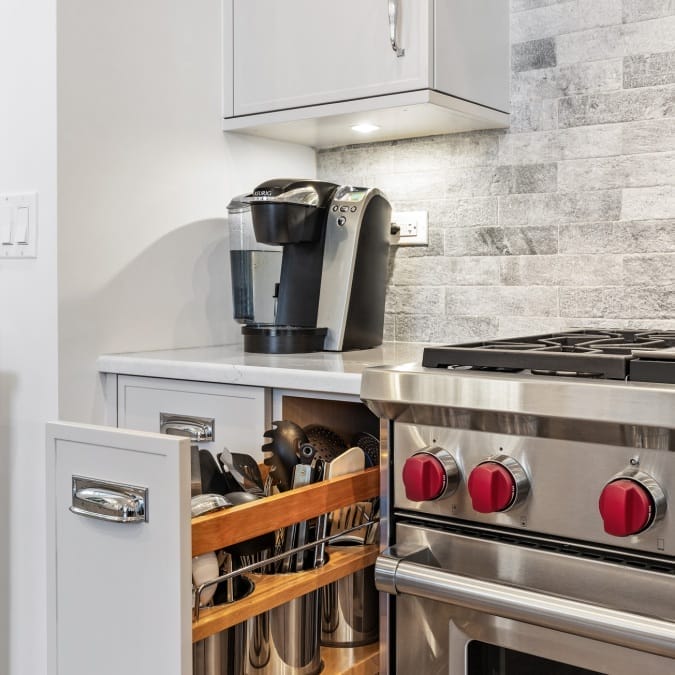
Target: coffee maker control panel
[[347, 200]]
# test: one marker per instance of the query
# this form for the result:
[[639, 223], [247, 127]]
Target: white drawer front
[[240, 413]]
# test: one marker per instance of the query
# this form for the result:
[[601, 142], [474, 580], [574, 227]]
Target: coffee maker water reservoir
[[255, 268]]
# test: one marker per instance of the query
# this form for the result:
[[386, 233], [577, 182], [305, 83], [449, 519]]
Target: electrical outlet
[[413, 227]]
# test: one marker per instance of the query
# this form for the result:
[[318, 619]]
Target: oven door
[[471, 606]]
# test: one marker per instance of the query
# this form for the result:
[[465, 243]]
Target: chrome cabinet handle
[[394, 12], [115, 502], [199, 429], [396, 575]]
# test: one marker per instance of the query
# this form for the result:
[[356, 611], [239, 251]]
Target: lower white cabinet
[[120, 535]]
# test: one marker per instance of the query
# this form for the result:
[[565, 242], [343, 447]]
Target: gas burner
[[589, 353]]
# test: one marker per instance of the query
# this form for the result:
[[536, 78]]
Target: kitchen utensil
[[350, 461], [205, 568], [281, 452], [205, 503], [302, 475], [195, 471], [328, 443], [228, 465], [213, 479], [370, 445], [248, 467]]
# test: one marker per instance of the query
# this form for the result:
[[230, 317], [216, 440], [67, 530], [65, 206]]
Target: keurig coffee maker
[[335, 243]]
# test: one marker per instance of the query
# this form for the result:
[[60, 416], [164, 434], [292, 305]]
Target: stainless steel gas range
[[525, 519]]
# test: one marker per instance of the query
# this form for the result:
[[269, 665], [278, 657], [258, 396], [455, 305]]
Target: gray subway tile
[[503, 301], [649, 70], [587, 302], [467, 212], [445, 330], [415, 300], [541, 270], [572, 143], [594, 13], [617, 172], [522, 178], [622, 106], [562, 18], [526, 114], [559, 208], [590, 270], [491, 241], [639, 302], [640, 10], [522, 5], [445, 271], [567, 80], [648, 136], [543, 22], [644, 37], [533, 55], [516, 326], [649, 270], [618, 237], [590, 45], [649, 37], [565, 270], [648, 203]]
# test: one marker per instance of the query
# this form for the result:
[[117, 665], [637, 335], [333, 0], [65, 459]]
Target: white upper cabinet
[[308, 70], [297, 53]]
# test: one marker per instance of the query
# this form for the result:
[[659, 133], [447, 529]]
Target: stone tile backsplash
[[565, 219]]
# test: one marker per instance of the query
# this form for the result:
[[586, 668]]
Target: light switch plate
[[19, 225], [413, 227]]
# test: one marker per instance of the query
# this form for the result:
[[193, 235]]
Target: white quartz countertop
[[334, 372]]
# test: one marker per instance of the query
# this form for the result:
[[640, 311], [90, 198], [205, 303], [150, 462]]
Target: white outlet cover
[[414, 227]]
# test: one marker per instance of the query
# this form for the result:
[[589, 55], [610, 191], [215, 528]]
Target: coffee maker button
[[341, 221], [335, 207], [352, 209], [344, 209]]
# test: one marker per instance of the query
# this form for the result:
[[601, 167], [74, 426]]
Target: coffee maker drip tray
[[266, 338]]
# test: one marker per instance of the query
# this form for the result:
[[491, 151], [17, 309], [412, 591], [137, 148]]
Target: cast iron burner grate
[[580, 353]]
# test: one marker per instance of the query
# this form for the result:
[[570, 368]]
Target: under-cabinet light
[[365, 128]]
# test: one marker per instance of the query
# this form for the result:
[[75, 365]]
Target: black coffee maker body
[[335, 242]]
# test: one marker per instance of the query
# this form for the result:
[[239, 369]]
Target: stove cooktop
[[637, 355]]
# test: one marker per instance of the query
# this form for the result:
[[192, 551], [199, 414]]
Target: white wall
[[28, 328], [145, 174]]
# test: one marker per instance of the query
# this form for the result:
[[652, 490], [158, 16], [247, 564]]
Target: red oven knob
[[430, 474], [630, 503], [497, 485]]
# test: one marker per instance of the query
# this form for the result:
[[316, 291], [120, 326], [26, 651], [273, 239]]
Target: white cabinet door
[[306, 52], [240, 413], [119, 593]]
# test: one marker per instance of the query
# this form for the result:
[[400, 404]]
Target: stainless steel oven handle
[[396, 575]]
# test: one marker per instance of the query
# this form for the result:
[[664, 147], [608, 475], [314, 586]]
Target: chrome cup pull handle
[[114, 502], [199, 429], [394, 14]]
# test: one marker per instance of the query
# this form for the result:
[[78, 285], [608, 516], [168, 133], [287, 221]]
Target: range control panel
[[591, 492]]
